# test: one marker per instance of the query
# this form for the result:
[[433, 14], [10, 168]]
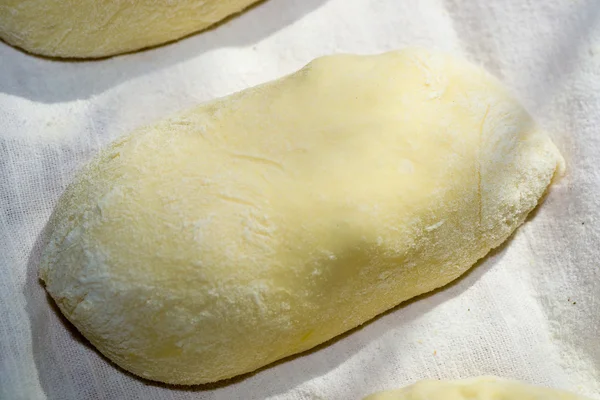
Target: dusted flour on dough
[[99, 28], [265, 223], [487, 388]]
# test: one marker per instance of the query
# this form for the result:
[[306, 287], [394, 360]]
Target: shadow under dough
[[49, 326], [49, 80]]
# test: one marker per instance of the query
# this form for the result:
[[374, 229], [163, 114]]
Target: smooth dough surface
[[485, 388], [99, 28], [265, 223]]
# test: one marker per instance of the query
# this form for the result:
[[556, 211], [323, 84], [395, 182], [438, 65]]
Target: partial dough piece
[[486, 388], [262, 224], [100, 28]]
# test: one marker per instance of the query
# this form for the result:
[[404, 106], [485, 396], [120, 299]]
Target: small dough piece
[[262, 224], [100, 28], [485, 388]]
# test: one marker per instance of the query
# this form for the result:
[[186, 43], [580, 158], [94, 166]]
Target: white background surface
[[530, 311]]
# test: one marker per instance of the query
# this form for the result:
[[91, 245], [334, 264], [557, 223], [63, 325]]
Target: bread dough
[[265, 223], [93, 28], [487, 388]]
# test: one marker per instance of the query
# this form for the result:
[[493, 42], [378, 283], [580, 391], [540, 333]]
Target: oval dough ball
[[487, 388], [100, 28], [262, 224]]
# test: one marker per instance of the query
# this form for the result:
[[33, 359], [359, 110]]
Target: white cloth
[[530, 311]]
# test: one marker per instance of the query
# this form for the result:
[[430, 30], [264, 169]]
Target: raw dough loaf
[[487, 388], [265, 223], [99, 28]]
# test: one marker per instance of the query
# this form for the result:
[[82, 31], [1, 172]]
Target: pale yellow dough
[[486, 388], [262, 224], [99, 28]]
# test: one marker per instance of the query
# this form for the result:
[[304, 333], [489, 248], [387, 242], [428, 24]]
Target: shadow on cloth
[[48, 80]]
